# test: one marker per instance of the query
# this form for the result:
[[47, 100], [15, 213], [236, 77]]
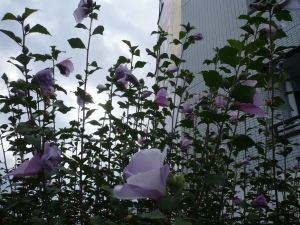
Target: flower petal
[[251, 109], [79, 14]]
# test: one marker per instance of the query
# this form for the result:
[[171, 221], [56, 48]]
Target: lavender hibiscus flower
[[81, 12], [260, 202], [161, 98], [146, 176], [65, 67], [51, 157], [44, 79]]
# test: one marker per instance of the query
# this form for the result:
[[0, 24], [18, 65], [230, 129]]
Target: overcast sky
[[132, 20]]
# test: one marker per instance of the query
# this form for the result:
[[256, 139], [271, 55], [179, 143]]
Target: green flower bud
[[175, 182], [19, 18], [78, 76], [27, 28], [25, 50], [226, 83], [18, 39]]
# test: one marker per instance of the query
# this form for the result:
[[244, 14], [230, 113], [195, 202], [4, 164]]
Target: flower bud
[[175, 182], [18, 39], [188, 27], [19, 18], [269, 102], [25, 50], [27, 28], [226, 83], [47, 56], [78, 76]]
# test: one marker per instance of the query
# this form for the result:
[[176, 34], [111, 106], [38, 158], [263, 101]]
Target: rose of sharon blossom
[[81, 102], [295, 165], [142, 138], [65, 67], [197, 36], [186, 144], [121, 72], [27, 168], [80, 13], [161, 98], [172, 69], [260, 202], [146, 95], [186, 108], [44, 79], [146, 176], [237, 201], [51, 157]]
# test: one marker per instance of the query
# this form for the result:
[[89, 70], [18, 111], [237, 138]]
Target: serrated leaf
[[39, 29], [94, 16], [76, 43], [228, 55], [9, 34], [80, 25], [212, 78], [98, 30], [217, 179], [9, 16]]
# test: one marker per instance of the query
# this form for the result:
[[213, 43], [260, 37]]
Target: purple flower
[[219, 100], [121, 71], [146, 176], [146, 95], [51, 157], [132, 79], [142, 138], [65, 67], [161, 98], [234, 115], [123, 81], [21, 94], [186, 144], [260, 202], [44, 79], [81, 12], [172, 69], [196, 98], [290, 4], [246, 161], [81, 102], [142, 82], [237, 201], [295, 165], [186, 108], [27, 168], [273, 29], [197, 36], [254, 171]]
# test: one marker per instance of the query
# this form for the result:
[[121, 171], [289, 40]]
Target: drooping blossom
[[290, 4], [121, 72], [271, 30], [237, 201], [81, 102], [146, 176], [51, 157], [260, 202], [44, 79], [65, 67], [101, 87], [161, 98], [81, 12], [172, 69], [186, 144], [146, 95], [197, 36], [123, 81], [295, 165], [186, 108], [27, 168], [132, 79], [246, 161], [142, 138]]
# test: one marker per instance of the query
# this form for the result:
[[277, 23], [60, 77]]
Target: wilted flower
[[121, 71], [172, 69], [27, 168], [44, 79], [65, 67], [81, 12], [186, 144], [146, 176], [197, 36], [81, 102], [51, 157], [161, 98], [146, 95], [260, 202], [295, 165], [237, 201]]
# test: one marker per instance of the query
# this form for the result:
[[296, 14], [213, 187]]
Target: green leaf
[[169, 203], [212, 78], [94, 16], [127, 43], [153, 215], [217, 179], [182, 34], [214, 116], [39, 29], [255, 45], [140, 64], [122, 60], [36, 142], [76, 43], [98, 30], [28, 12], [38, 57], [26, 128], [242, 142], [279, 33], [9, 34], [176, 42], [80, 25], [9, 16], [228, 55], [61, 106], [97, 220], [243, 93], [89, 113], [137, 52], [68, 171], [248, 29], [23, 59], [236, 44], [283, 15], [175, 59]]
